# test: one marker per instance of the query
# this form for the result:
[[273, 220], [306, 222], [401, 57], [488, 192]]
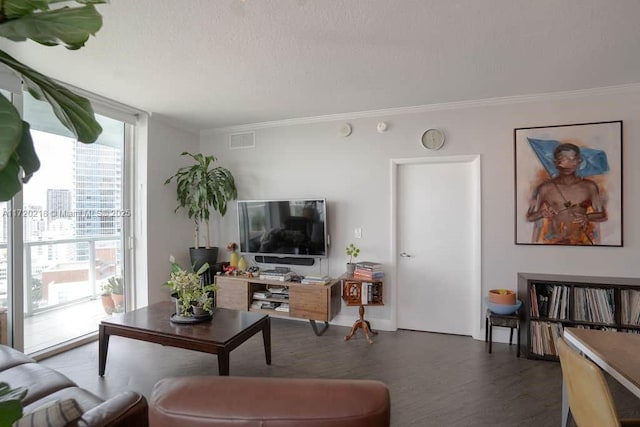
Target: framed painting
[[568, 184]]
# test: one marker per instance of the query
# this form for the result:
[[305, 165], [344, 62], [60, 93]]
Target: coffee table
[[226, 331]]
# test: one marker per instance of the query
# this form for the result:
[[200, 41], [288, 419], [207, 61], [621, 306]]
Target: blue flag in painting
[[594, 162]]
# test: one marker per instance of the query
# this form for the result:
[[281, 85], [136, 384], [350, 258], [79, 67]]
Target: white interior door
[[438, 246]]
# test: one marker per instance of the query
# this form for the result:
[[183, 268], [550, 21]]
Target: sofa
[[268, 402], [45, 386]]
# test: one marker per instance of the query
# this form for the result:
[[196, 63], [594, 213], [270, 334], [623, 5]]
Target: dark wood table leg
[[266, 338], [490, 335], [317, 331], [103, 346], [486, 328], [223, 362]]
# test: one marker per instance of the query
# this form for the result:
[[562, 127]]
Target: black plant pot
[[201, 255]]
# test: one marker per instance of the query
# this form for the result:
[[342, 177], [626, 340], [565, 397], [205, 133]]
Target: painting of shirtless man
[[568, 185]]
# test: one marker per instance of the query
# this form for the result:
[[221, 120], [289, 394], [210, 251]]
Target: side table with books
[[363, 287]]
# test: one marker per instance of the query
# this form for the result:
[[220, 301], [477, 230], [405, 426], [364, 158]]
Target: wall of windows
[[73, 228], [65, 232]]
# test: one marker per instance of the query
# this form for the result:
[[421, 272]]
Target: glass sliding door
[[74, 218], [5, 262]]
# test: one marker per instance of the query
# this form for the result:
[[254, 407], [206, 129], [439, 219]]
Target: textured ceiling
[[216, 63]]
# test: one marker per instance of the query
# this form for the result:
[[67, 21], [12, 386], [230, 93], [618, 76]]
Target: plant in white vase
[[352, 252]]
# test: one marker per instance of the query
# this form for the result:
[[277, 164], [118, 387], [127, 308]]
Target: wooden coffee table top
[[223, 327]]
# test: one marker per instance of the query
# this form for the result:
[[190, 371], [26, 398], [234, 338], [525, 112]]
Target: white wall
[[311, 160], [167, 232]]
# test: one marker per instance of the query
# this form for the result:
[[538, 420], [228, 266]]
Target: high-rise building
[[58, 203], [98, 191], [33, 223]]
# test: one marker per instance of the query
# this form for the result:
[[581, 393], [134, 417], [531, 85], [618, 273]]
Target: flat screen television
[[292, 228]]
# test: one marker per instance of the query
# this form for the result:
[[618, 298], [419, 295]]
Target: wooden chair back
[[589, 396]]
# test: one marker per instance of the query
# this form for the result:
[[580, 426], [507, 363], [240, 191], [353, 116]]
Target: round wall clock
[[432, 139]]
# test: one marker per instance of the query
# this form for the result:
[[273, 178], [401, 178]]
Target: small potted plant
[[192, 297], [352, 252], [116, 286], [199, 188], [107, 301]]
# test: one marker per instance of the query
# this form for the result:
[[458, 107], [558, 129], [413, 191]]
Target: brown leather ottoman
[[268, 402]]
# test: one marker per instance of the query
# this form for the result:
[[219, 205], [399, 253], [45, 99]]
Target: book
[[277, 272], [367, 275], [369, 265], [261, 295], [275, 277], [284, 307], [364, 293], [310, 281]]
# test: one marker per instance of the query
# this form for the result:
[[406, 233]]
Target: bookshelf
[[552, 302], [361, 292]]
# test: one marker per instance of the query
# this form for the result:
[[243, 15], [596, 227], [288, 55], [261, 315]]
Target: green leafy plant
[[202, 186], [10, 403], [69, 26], [188, 288], [352, 252], [115, 285]]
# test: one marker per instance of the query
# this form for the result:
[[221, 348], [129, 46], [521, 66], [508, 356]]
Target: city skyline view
[[76, 195]]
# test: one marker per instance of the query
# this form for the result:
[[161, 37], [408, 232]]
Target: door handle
[[405, 255]]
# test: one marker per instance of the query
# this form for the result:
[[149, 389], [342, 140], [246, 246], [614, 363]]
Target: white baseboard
[[376, 324]]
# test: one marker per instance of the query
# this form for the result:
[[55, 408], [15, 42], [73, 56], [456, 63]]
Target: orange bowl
[[502, 296]]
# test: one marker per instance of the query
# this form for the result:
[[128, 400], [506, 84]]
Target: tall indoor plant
[[36, 20], [200, 187]]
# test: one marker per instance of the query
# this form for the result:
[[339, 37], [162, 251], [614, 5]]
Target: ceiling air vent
[[238, 141]]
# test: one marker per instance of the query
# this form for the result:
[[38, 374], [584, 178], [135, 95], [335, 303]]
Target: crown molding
[[505, 100]]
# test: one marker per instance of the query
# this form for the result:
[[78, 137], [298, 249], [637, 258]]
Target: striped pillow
[[55, 414]]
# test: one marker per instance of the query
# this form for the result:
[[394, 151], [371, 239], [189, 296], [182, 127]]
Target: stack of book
[[265, 305], [282, 293], [284, 307], [315, 280], [368, 270], [279, 275], [261, 295]]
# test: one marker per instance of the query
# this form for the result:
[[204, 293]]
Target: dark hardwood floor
[[434, 379]]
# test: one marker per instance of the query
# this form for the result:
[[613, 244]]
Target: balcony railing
[[81, 276]]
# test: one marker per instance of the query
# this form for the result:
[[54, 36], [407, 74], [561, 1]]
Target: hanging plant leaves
[[18, 8], [73, 111], [16, 149], [69, 26], [27, 156], [10, 179], [10, 130]]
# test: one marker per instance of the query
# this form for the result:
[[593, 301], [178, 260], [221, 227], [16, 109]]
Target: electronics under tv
[[283, 230]]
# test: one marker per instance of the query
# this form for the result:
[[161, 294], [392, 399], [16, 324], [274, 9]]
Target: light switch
[[358, 233]]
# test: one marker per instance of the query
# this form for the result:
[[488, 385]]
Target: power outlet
[[357, 233]]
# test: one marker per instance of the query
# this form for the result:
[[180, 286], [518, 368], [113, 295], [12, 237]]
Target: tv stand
[[314, 302]]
